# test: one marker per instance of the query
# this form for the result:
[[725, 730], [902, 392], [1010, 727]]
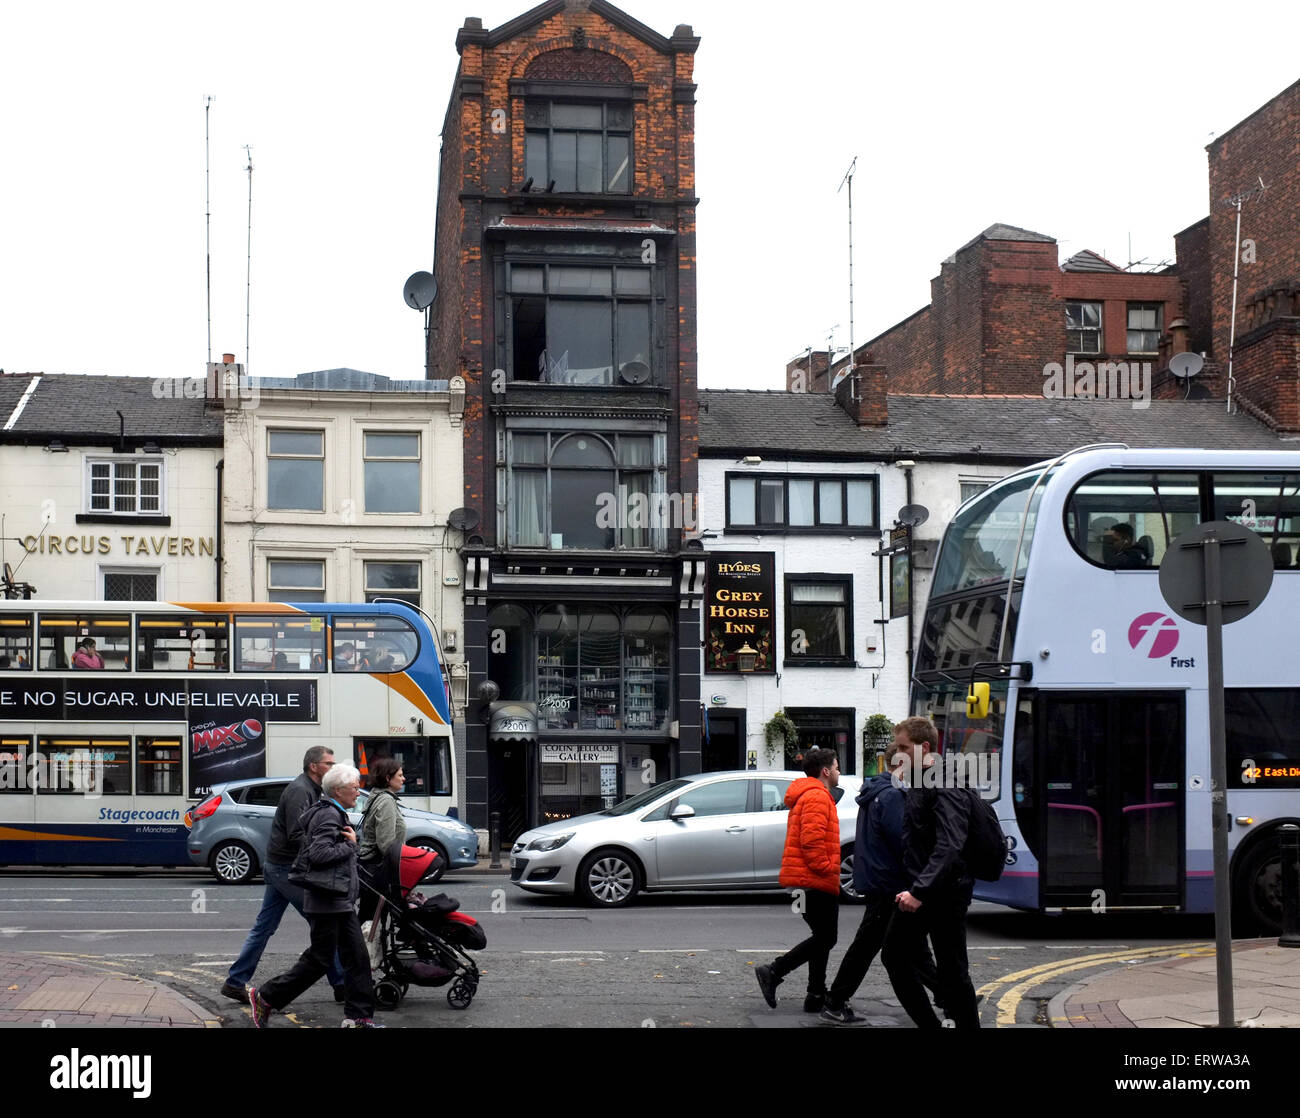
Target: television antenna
[[1236, 201], [848, 179], [248, 281]]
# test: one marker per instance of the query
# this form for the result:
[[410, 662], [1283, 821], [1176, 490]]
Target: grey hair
[[338, 776], [315, 755]]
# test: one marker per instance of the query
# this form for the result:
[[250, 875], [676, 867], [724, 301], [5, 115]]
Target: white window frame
[[418, 459], [1099, 331], [367, 590], [105, 570], [275, 428], [286, 592], [113, 462]]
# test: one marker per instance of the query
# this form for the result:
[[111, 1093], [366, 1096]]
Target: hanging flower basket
[[780, 735]]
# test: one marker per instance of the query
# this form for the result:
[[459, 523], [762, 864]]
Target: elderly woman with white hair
[[327, 870]]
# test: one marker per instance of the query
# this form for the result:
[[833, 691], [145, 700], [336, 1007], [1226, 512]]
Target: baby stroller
[[423, 940]]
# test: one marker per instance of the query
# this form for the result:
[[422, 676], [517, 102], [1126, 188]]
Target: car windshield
[[642, 798]]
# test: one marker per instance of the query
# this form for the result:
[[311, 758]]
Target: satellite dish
[[1184, 365], [462, 520], [913, 515], [839, 377], [634, 372], [420, 290]]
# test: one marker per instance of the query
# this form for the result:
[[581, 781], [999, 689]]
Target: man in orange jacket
[[810, 865]]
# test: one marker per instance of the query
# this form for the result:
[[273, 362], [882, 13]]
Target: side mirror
[[682, 811], [977, 701]]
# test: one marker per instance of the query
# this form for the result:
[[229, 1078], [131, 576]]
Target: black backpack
[[985, 852]]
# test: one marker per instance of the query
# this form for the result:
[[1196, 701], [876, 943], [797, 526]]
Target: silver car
[[721, 830], [230, 830]]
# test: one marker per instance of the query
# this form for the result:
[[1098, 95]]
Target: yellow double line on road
[[1022, 981]]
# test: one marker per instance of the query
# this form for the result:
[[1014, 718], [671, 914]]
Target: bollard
[[494, 839], [1289, 835]]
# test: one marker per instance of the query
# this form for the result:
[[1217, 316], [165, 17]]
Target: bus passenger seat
[[1281, 555], [1148, 547]]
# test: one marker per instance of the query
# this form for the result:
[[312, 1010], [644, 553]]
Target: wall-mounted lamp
[[905, 463], [746, 657], [56, 446], [751, 460]]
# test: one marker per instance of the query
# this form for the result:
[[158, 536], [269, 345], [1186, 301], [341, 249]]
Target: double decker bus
[[1096, 742], [115, 716]]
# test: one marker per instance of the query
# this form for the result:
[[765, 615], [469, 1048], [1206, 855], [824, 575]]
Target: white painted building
[[789, 484], [108, 489], [338, 486]]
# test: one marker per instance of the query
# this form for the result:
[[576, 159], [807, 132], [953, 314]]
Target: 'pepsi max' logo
[[238, 733]]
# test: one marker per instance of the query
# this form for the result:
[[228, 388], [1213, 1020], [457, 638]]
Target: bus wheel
[[233, 863], [1258, 887]]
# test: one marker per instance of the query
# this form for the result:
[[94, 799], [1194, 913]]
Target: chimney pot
[[228, 358]]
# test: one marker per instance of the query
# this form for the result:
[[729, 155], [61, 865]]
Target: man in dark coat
[[936, 821], [329, 851], [878, 876]]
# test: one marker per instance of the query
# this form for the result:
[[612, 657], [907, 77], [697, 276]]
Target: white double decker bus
[[1046, 586], [115, 716]]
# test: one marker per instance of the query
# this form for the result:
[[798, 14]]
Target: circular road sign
[[1245, 572]]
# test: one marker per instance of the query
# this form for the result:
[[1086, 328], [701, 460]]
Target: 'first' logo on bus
[[1155, 635]]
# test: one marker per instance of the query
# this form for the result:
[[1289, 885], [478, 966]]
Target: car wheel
[[1257, 887], [233, 863], [608, 878], [440, 866], [848, 894]]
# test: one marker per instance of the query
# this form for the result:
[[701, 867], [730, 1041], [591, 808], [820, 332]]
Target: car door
[[256, 812], [769, 824], [715, 846]]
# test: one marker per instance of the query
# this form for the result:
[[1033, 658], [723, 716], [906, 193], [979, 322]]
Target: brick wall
[[997, 317], [1192, 248], [481, 178]]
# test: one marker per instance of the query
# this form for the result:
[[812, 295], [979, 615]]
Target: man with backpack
[[878, 876], [937, 824]]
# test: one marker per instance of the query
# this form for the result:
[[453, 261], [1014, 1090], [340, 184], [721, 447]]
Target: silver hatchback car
[[229, 830], [721, 830]]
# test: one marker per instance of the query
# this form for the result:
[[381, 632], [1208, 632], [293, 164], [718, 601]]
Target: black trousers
[[872, 934], [942, 918], [822, 915], [330, 932]]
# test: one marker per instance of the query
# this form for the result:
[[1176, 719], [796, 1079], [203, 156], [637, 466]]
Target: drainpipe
[[911, 603], [221, 472]]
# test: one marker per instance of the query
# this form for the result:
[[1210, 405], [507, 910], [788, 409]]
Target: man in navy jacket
[[878, 876]]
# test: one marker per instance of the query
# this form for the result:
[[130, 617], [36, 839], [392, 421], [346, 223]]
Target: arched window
[[585, 490]]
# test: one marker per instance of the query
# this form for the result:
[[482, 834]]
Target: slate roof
[[779, 424], [1001, 232], [1012, 429], [83, 409], [1089, 261]]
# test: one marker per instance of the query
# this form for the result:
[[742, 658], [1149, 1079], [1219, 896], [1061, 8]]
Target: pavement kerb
[[1056, 1018], [202, 1017]]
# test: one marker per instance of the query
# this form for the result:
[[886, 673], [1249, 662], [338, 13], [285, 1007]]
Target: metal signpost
[[1213, 575]]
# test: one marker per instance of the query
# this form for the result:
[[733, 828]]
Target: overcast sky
[[1086, 123]]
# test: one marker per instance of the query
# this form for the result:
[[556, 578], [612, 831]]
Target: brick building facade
[[1265, 147], [1002, 309], [565, 262]]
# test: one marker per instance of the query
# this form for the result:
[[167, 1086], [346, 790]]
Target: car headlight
[[551, 842]]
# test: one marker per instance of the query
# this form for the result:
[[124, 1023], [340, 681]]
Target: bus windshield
[[979, 546]]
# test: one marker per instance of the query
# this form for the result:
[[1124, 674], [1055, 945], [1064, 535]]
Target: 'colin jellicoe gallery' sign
[[739, 609]]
